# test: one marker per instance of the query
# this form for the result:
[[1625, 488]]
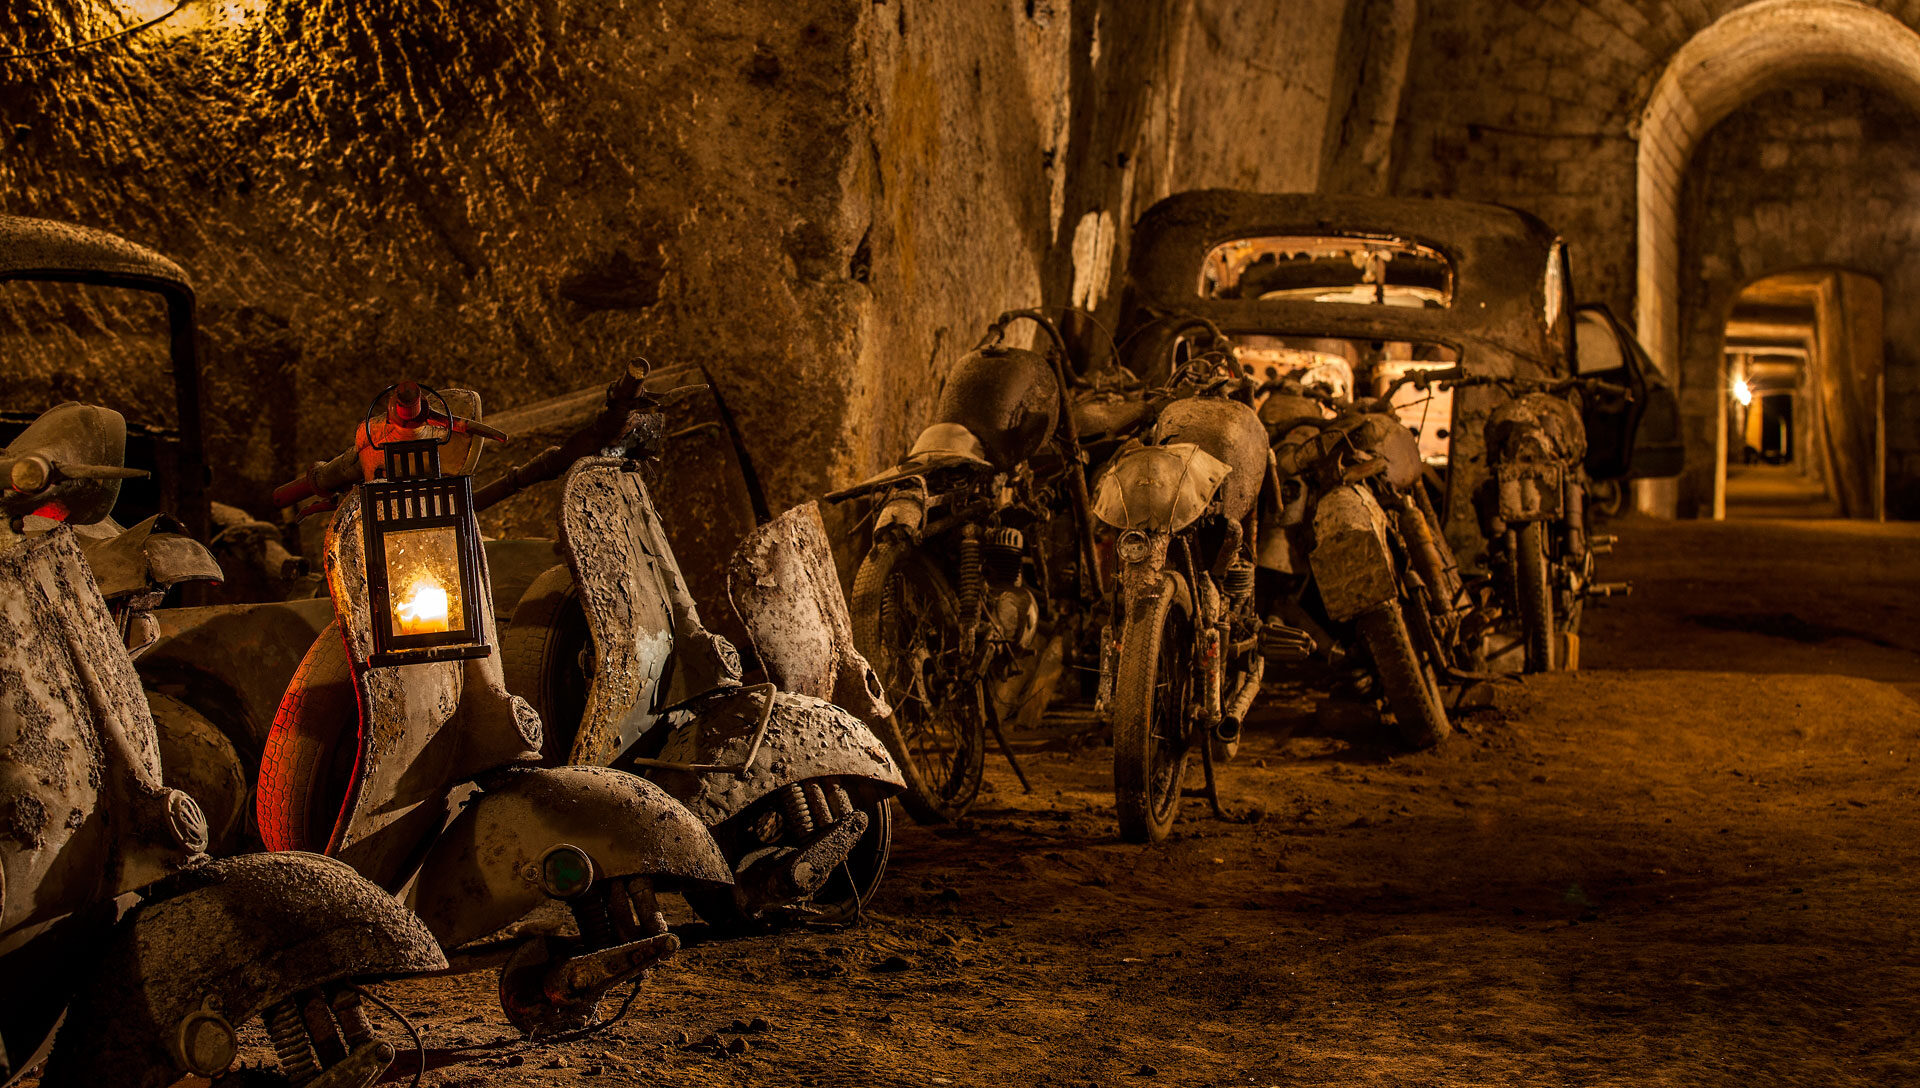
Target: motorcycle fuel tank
[[1007, 397], [1232, 433]]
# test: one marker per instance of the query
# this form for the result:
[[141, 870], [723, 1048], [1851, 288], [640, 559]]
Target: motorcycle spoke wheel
[[1151, 724], [907, 623]]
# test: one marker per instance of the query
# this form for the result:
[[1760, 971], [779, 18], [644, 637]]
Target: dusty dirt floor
[[1691, 863]]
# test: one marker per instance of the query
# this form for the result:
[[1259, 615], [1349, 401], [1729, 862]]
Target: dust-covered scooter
[[610, 647], [112, 918], [400, 708]]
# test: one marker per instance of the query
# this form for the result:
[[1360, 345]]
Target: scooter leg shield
[[805, 738], [229, 938], [484, 871]]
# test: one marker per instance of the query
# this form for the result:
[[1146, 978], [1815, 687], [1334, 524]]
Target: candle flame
[[424, 610]]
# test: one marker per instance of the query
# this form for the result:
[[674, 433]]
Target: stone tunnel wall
[[1816, 177], [822, 201]]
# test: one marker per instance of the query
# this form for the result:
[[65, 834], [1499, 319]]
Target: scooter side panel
[[243, 933], [806, 738], [83, 814], [484, 871], [1352, 563], [650, 647]]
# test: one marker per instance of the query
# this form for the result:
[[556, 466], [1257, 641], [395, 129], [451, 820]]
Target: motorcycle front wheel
[[906, 622], [1533, 573], [1150, 718], [1413, 695]]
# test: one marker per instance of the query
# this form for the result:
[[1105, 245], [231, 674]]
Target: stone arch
[[1753, 49]]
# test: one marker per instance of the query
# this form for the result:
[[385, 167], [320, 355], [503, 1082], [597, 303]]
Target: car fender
[[1352, 562], [483, 872], [229, 937], [805, 738]]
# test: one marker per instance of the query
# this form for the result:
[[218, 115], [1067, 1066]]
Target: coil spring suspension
[[793, 800], [289, 1034], [1238, 580], [971, 580], [1005, 548], [354, 1026]]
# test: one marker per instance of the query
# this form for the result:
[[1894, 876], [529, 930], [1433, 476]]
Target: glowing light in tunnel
[[1742, 392]]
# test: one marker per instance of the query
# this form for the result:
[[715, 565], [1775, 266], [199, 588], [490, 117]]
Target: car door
[[1640, 437]]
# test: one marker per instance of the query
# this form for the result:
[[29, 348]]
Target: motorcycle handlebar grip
[[293, 491]]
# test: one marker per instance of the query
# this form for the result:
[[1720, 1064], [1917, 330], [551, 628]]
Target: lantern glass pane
[[423, 579]]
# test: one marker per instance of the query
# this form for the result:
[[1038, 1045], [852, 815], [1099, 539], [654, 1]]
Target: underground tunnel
[[918, 542]]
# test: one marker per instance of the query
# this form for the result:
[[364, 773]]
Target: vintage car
[[1348, 294]]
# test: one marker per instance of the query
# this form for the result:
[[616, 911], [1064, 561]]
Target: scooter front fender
[[805, 738], [483, 872], [228, 938]]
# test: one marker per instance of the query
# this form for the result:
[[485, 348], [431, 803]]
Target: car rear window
[[1371, 271]]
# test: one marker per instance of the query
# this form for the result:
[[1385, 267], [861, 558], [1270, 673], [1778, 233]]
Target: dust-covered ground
[[1692, 863]]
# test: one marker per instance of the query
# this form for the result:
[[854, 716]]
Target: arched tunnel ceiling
[[1751, 50]]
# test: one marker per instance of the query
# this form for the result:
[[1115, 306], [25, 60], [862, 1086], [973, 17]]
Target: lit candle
[[424, 610]]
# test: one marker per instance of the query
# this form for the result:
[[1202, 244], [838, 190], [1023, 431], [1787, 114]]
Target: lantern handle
[[426, 416]]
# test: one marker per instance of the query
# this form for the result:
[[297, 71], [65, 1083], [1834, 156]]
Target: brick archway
[[1751, 50]]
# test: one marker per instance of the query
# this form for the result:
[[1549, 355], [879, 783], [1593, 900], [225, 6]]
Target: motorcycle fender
[[483, 872], [1529, 490], [1352, 562], [229, 937], [806, 738], [904, 511]]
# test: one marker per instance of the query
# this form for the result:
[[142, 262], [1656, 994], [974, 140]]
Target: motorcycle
[[1181, 665], [376, 739], [1364, 553], [976, 585], [1533, 508], [610, 648], [145, 956]]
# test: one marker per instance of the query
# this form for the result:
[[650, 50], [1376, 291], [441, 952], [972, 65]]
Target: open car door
[[1638, 439]]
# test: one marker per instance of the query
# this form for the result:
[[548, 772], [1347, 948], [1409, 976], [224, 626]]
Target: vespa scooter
[[377, 736], [112, 918], [610, 646]]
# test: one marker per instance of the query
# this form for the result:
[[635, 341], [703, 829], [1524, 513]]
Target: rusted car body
[[1508, 310], [153, 987]]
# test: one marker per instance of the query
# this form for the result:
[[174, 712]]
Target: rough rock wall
[[1822, 176], [823, 201], [519, 196]]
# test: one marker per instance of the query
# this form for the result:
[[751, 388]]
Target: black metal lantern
[[423, 559]]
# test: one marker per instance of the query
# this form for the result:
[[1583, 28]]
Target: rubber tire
[[1535, 593], [1133, 712], [923, 800], [1419, 717], [540, 656]]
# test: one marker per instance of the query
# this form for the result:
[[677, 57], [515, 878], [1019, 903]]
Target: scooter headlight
[[566, 871], [1133, 546]]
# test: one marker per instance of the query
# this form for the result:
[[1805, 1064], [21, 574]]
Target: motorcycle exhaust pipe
[[1241, 703]]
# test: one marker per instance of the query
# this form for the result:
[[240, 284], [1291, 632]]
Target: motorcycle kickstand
[[1000, 738], [1211, 791]]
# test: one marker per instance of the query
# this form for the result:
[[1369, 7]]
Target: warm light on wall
[[1742, 392]]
